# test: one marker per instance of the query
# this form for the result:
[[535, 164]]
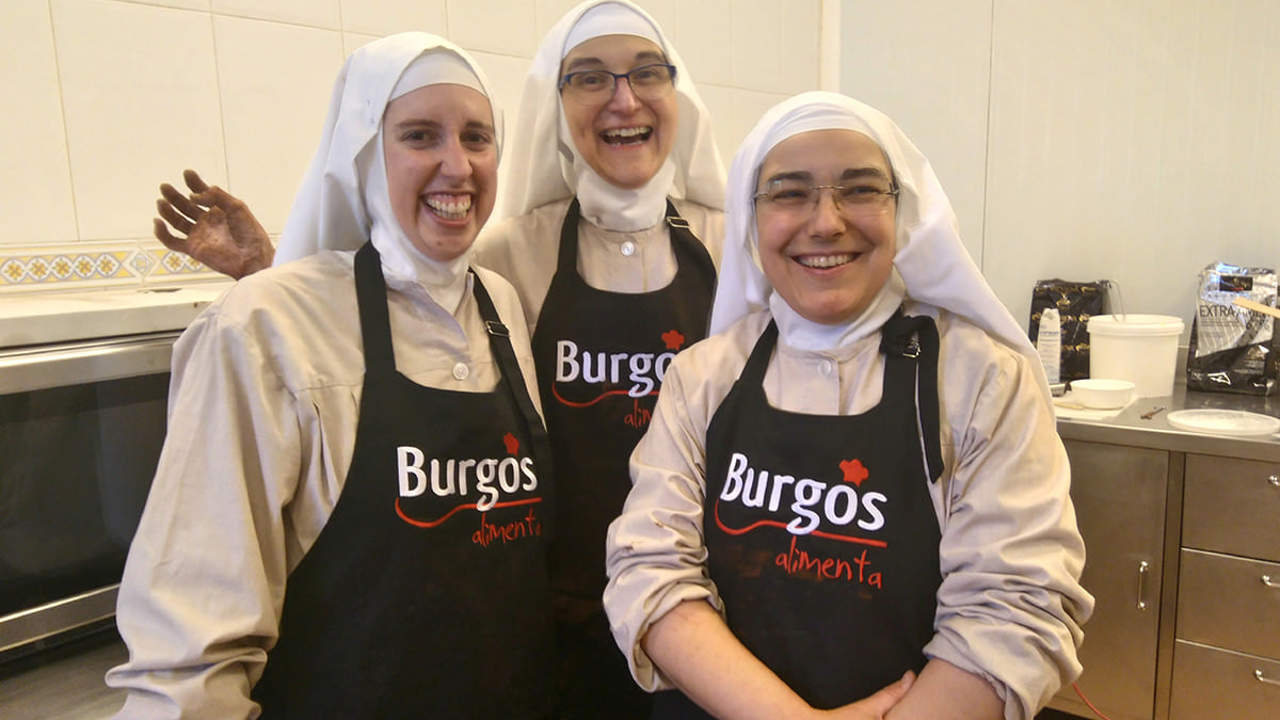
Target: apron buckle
[[913, 348], [496, 328], [676, 221]]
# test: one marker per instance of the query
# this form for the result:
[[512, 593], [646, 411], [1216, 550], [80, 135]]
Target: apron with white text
[[426, 593], [821, 535], [600, 357]]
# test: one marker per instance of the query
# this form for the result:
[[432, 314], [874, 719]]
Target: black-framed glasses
[[648, 82], [792, 195]]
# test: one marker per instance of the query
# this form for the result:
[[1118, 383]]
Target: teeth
[[825, 261], [449, 207], [626, 133]]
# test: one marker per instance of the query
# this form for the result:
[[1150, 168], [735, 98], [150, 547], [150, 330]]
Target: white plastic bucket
[[1140, 348]]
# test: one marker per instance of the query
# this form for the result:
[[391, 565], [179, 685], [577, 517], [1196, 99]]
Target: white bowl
[[1102, 393]]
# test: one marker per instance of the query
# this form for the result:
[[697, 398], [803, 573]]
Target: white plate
[[1225, 422]]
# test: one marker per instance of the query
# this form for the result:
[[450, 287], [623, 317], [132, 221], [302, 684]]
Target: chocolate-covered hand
[[213, 227]]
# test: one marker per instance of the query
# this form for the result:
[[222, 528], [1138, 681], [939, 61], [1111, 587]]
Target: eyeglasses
[[592, 87], [795, 196]]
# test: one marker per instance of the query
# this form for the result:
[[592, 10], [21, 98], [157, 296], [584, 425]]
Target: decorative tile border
[[94, 265]]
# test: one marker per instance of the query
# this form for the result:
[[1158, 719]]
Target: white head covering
[[931, 264], [544, 166], [344, 200]]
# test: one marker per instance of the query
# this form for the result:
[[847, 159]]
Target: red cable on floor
[[1095, 710]]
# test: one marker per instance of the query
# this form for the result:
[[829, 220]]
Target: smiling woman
[[620, 105], [827, 258], [351, 434], [614, 187], [442, 166], [857, 480]]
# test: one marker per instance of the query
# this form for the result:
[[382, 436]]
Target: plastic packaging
[[1076, 302], [1049, 343], [1233, 349]]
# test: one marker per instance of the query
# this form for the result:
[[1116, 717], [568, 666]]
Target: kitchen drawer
[[1213, 684], [1226, 601], [1232, 506]]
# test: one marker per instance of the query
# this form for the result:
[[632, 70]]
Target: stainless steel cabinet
[[1120, 495], [1226, 661]]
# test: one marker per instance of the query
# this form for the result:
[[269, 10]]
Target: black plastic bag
[[1076, 303]]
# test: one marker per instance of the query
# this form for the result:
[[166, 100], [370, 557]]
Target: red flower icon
[[673, 339], [854, 471], [512, 443]]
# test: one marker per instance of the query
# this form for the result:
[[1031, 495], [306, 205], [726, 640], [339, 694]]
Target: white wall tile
[[505, 27], [799, 45], [719, 102], [275, 82], [179, 4], [775, 45], [316, 13], [386, 17], [663, 12], [354, 41], [926, 64], [734, 112], [704, 38], [1136, 142], [36, 205], [506, 79], [548, 13], [141, 101]]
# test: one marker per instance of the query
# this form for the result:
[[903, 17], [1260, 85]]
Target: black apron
[[600, 358], [425, 595], [821, 535]]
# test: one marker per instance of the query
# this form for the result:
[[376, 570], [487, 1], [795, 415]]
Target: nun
[[613, 194], [852, 499], [614, 187], [351, 511]]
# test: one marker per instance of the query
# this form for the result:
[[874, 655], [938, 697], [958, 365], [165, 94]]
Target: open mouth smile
[[449, 206], [627, 135], [823, 262]]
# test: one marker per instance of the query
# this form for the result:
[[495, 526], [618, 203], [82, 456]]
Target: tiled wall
[[108, 98], [1134, 141]]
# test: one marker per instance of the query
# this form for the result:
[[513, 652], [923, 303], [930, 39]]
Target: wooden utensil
[[1256, 306]]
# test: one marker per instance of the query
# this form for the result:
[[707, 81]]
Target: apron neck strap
[[567, 261], [375, 323], [504, 353], [911, 342]]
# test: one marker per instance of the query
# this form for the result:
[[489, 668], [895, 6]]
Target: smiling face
[[623, 138], [442, 166], [828, 262]]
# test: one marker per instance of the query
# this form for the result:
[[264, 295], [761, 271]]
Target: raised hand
[[213, 227]]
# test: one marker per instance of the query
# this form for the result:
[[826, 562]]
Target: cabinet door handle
[[1263, 679], [1266, 580], [1274, 480], [1143, 568]]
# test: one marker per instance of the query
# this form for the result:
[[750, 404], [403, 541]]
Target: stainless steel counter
[[1129, 428], [64, 683]]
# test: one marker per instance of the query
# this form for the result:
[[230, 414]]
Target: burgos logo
[[643, 370], [813, 506], [479, 484]]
